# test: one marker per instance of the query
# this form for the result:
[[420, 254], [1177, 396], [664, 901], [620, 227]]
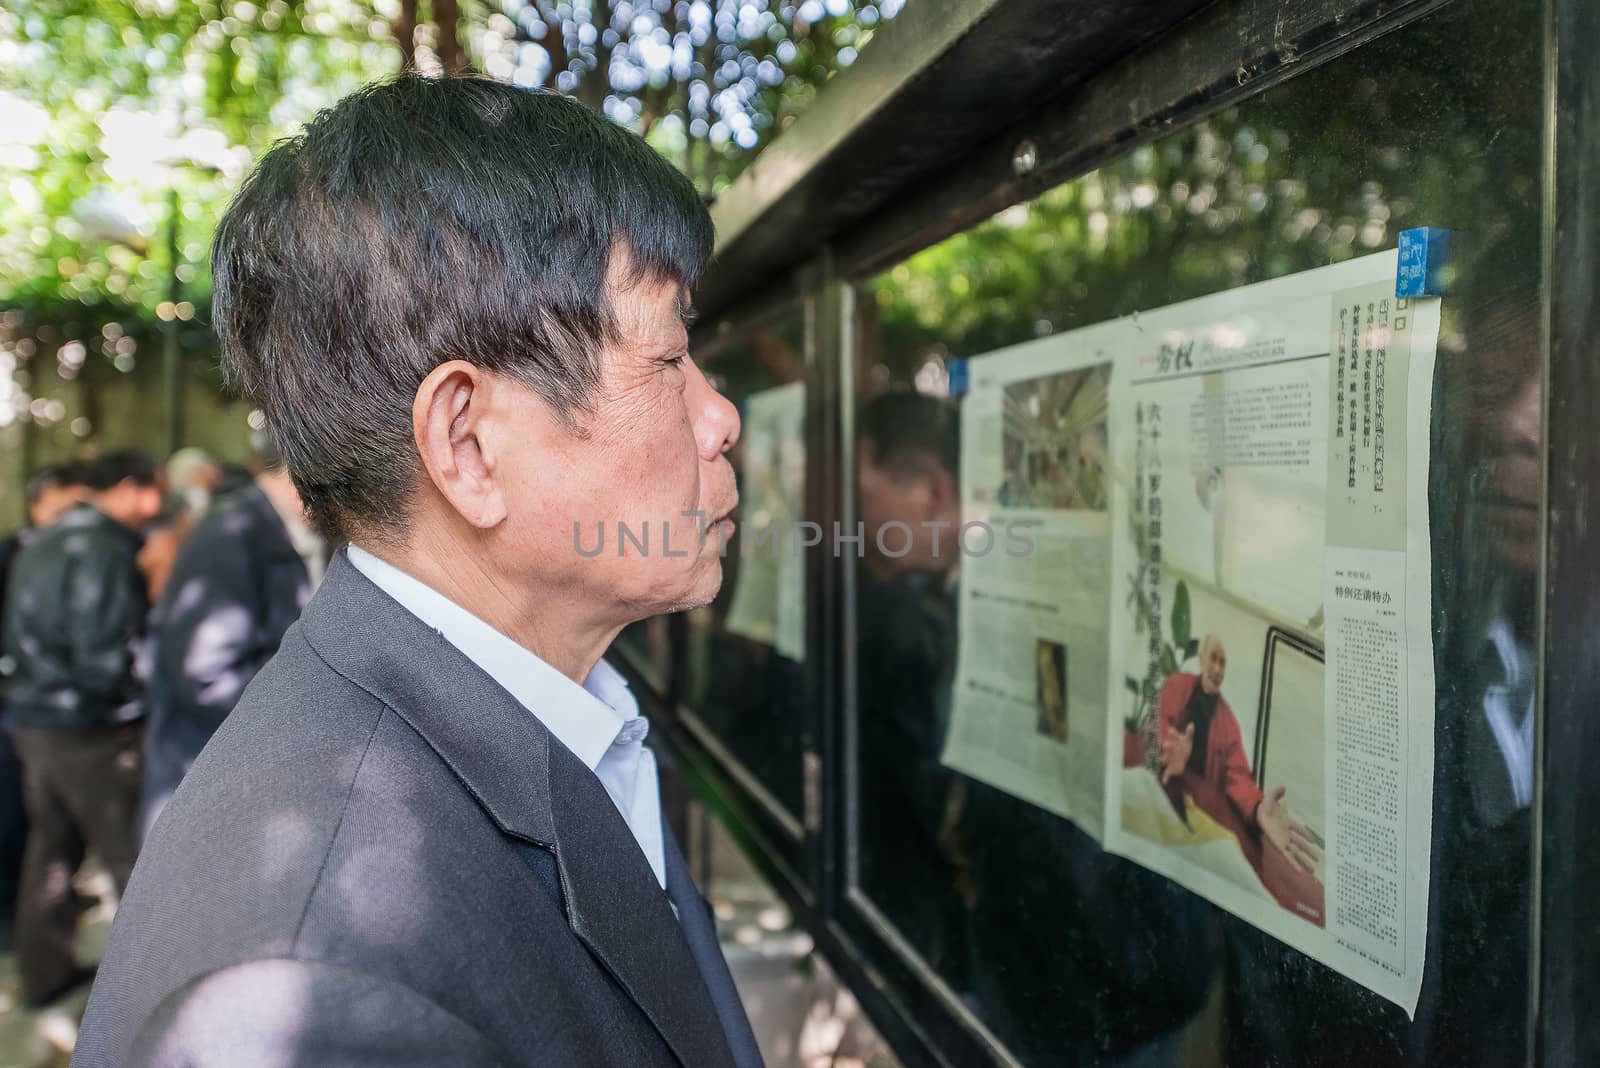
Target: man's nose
[[715, 419]]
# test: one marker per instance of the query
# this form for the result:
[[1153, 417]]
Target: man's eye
[[677, 361]]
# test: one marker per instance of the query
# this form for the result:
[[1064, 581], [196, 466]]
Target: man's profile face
[[1507, 408], [650, 458], [1213, 666], [1512, 494], [916, 495]]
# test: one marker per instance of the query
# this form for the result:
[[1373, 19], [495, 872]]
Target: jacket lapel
[[621, 913], [534, 789], [700, 931]]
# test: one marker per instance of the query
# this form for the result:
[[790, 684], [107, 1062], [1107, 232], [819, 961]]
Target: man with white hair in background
[[192, 474], [239, 581]]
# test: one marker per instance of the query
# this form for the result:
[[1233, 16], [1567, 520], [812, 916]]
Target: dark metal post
[[171, 358], [1566, 1029]]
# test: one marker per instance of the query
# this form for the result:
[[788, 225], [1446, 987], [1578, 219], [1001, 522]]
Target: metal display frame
[[1182, 65], [1566, 936]]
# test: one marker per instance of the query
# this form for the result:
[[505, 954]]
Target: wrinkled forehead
[[645, 291], [646, 307]]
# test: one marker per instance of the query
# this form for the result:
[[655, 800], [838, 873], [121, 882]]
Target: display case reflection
[[1063, 952], [745, 679]]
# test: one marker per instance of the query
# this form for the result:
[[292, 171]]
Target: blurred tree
[[111, 106], [123, 128], [707, 81], [126, 124]]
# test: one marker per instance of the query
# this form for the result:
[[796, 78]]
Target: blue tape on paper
[[958, 376], [1424, 269]]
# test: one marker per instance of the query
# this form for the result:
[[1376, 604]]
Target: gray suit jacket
[[382, 859]]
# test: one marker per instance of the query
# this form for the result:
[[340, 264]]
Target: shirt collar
[[1514, 659], [587, 719]]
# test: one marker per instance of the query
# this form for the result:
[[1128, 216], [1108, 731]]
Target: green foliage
[[126, 125], [122, 112], [1324, 168], [708, 82]]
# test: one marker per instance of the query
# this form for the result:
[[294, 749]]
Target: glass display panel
[[745, 683], [1063, 952], [644, 646]]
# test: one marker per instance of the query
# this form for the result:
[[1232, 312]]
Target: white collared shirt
[[598, 721], [1508, 704]]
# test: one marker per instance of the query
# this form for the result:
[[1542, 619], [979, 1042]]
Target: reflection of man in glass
[[1200, 739], [1486, 511], [910, 508]]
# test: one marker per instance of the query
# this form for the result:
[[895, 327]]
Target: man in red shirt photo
[[1201, 742]]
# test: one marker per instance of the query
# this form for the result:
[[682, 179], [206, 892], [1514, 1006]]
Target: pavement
[[43, 1038]]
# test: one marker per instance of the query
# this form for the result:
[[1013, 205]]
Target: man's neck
[[550, 623]]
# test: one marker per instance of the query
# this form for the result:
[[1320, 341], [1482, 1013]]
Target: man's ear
[[448, 419]]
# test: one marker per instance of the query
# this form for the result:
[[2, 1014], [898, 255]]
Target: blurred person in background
[[51, 491], [163, 536], [74, 614], [193, 475], [233, 477], [192, 483], [240, 579]]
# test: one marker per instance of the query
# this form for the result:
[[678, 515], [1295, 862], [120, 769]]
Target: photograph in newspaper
[[1201, 787], [1271, 737], [1028, 713], [1055, 441]]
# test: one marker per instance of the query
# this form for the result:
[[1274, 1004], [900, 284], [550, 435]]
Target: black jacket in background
[[235, 588], [10, 545], [75, 609]]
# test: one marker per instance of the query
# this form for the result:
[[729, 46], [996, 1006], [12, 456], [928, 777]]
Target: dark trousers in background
[[81, 789], [13, 835]]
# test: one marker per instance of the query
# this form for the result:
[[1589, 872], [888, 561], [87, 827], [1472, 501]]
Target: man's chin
[[700, 591]]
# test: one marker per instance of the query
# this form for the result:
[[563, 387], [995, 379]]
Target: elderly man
[[429, 832], [1200, 737]]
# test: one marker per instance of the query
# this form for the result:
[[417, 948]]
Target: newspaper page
[[768, 604], [1028, 713], [1270, 742]]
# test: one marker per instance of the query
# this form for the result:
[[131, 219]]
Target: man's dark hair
[[901, 426], [53, 476], [420, 221], [117, 466]]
